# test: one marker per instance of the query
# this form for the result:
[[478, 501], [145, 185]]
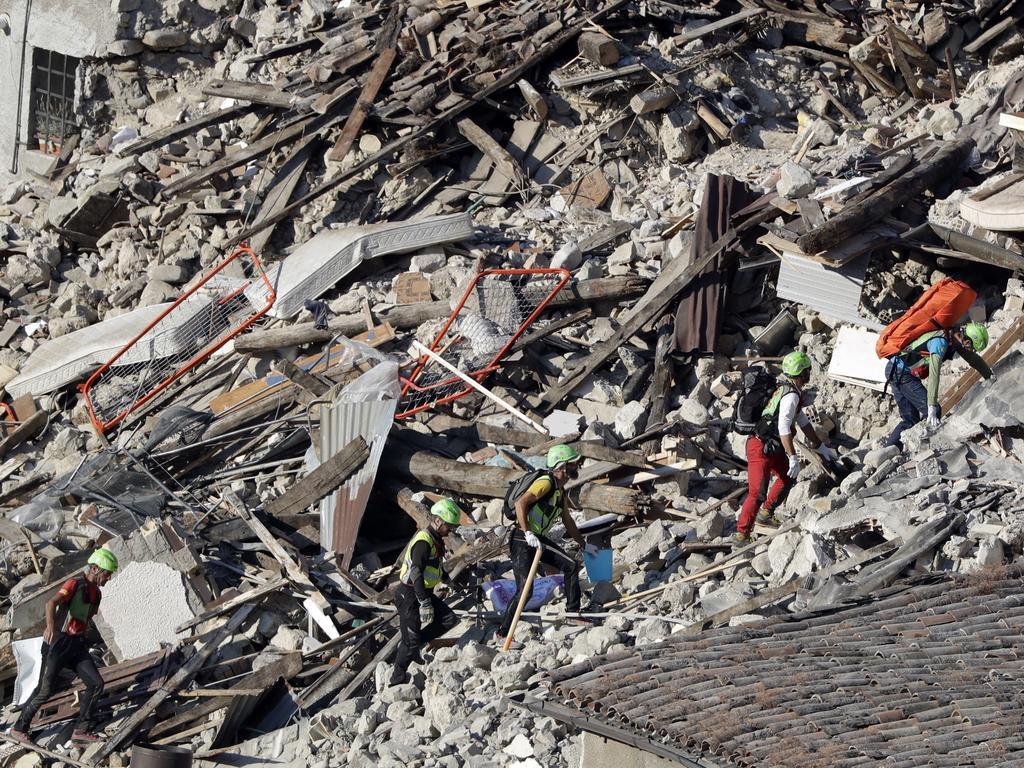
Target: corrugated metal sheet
[[342, 512], [832, 291]]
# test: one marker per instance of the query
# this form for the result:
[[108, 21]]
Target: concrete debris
[[260, 548]]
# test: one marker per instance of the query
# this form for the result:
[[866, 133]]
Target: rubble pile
[[604, 213]]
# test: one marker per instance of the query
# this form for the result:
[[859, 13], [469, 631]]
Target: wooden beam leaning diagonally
[[387, 52], [188, 670], [316, 604], [321, 481], [949, 399]]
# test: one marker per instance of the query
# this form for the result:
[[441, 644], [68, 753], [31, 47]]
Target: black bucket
[[160, 757]]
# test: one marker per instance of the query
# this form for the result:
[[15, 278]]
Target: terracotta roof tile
[[928, 675]]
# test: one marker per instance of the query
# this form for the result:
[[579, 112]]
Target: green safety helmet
[[104, 558], [796, 363], [561, 454], [978, 335], [447, 510]]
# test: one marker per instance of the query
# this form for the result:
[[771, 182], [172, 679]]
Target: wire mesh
[[209, 314], [496, 309]]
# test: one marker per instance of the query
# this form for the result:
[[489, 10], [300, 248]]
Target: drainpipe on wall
[[21, 86]]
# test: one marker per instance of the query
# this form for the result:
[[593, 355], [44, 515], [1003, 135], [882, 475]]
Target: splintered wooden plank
[[323, 480], [536, 159], [185, 673], [257, 93], [281, 189], [374, 82]]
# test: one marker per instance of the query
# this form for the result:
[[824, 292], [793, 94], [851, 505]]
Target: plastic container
[[599, 566]]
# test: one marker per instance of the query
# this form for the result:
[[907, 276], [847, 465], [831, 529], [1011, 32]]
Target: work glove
[[591, 549], [532, 540], [426, 613], [794, 467], [933, 415], [827, 453]]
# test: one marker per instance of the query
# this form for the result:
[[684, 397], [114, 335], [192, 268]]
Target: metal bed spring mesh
[[496, 309], [203, 319]]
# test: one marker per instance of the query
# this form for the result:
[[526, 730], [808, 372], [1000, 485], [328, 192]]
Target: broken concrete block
[[560, 423], [568, 256], [164, 39], [795, 181], [134, 632], [631, 419], [677, 134]]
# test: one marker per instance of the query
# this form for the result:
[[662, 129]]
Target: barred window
[[53, 98]]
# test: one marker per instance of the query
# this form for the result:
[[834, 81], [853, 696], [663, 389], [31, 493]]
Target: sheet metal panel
[[832, 291], [342, 512]]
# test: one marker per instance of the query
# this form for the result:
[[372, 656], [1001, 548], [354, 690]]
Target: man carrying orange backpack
[[923, 358]]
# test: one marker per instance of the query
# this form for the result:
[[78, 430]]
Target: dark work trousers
[[67, 652], [911, 399], [522, 553], [761, 468], [413, 635]]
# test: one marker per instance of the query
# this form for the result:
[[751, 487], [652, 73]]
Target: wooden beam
[[510, 76], [482, 140], [387, 51], [944, 166], [410, 316], [126, 732], [281, 188], [715, 26], [241, 156], [24, 432], [229, 605], [257, 93], [949, 399], [598, 49], [316, 604], [323, 480], [188, 128]]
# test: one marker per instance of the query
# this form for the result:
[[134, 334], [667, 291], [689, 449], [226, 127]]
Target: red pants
[[760, 468]]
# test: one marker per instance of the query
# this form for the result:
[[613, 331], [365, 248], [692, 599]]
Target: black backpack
[[758, 388], [519, 487]]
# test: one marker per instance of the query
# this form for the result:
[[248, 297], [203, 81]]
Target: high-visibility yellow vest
[[543, 513], [432, 570]]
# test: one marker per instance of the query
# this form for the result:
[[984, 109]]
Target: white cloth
[[28, 654], [789, 411]]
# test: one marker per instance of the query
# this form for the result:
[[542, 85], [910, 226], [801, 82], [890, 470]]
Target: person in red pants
[[772, 463]]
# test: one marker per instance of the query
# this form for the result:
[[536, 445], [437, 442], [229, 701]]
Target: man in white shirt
[[771, 451]]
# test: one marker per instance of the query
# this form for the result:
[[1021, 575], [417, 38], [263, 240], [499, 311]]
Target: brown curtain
[[698, 315]]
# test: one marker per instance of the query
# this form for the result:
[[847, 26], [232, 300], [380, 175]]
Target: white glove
[[426, 613], [591, 549], [532, 540], [794, 467], [933, 415], [827, 453]]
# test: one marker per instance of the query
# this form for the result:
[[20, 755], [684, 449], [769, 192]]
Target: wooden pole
[[480, 388], [523, 599]]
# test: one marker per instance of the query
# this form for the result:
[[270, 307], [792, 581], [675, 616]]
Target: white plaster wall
[[79, 28]]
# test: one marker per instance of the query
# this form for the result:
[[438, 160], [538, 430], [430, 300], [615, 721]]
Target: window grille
[[53, 98]]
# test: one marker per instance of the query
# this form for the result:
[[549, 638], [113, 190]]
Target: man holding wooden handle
[[538, 499]]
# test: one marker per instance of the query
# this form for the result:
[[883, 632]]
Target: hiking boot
[[741, 538], [515, 645], [84, 737], [767, 517]]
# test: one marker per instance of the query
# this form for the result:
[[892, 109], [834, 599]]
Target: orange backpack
[[938, 309]]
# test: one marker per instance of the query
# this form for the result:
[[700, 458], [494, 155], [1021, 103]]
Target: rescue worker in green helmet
[[923, 358], [422, 616], [536, 501], [771, 452], [65, 646]]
